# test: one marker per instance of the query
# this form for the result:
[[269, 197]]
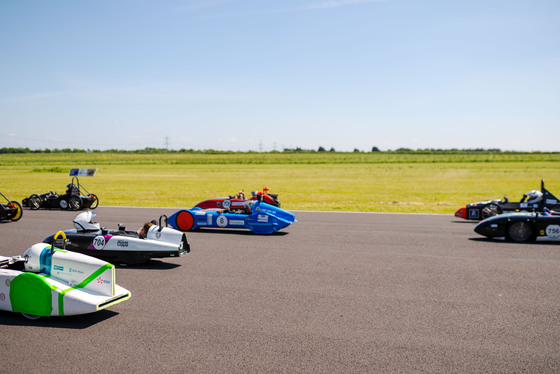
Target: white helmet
[[534, 196], [84, 221], [248, 204]]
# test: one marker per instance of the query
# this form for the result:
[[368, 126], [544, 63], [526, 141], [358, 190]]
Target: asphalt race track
[[333, 293]]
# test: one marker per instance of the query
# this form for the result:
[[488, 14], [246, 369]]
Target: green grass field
[[367, 182]]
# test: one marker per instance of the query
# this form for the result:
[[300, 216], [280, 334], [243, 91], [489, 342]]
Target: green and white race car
[[47, 281]]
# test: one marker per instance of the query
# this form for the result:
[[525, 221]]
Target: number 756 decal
[[553, 231]]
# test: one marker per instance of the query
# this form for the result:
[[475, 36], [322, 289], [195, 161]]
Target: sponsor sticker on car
[[262, 218]]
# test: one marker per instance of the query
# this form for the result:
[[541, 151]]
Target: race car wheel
[[74, 203], [19, 210], [95, 202], [30, 316], [185, 220], [521, 232], [63, 204], [491, 210], [34, 201]]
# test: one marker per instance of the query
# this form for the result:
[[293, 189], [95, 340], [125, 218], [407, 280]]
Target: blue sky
[[264, 75]]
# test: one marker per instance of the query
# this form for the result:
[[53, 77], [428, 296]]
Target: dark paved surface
[[334, 293]]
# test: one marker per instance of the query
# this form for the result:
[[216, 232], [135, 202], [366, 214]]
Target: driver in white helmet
[[533, 197]]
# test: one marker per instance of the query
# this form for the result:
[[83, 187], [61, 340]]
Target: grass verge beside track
[[368, 182]]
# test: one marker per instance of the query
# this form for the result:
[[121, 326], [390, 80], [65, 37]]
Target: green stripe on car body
[[82, 284]]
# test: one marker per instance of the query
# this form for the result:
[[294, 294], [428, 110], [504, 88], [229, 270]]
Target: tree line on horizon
[[150, 150]]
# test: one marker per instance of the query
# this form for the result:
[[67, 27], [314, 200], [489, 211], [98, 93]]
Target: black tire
[[30, 316], [490, 210], [34, 201], [95, 202], [521, 232], [74, 203]]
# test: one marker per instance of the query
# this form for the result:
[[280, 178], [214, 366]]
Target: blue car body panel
[[263, 219]]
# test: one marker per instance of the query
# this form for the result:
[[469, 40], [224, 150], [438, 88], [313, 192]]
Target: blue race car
[[257, 216]]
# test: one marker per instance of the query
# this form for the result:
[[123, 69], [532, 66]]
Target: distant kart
[[235, 202], [521, 227], [531, 201], [257, 216], [123, 247], [47, 281], [10, 210], [75, 198]]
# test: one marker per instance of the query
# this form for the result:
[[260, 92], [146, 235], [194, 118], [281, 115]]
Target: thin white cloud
[[339, 3], [32, 97], [124, 93], [138, 137], [314, 6], [197, 5], [231, 140], [55, 139]]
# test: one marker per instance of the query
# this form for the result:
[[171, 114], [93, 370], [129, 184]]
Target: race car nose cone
[[462, 212], [485, 228]]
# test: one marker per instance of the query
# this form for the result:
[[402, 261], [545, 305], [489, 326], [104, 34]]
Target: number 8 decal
[[222, 221]]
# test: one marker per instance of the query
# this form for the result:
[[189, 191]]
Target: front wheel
[[34, 201], [491, 210], [95, 202], [521, 232]]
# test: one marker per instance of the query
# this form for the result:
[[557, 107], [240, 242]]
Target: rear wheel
[[19, 210], [34, 201], [491, 210], [521, 232], [74, 203], [185, 220]]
